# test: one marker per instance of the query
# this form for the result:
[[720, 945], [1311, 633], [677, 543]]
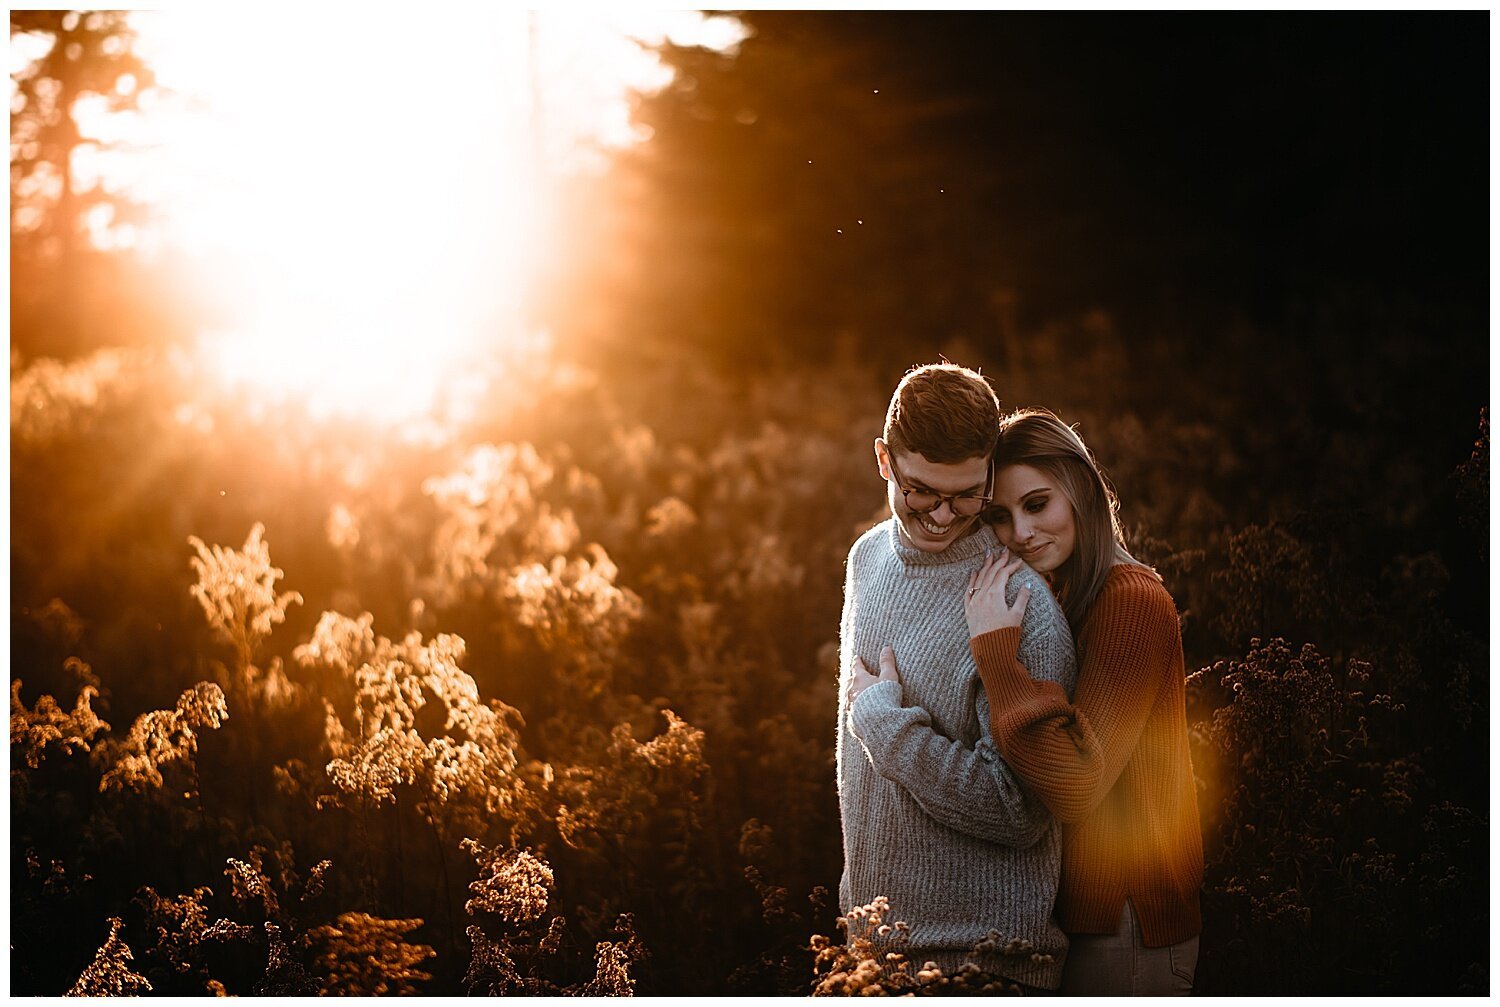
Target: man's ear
[[883, 457]]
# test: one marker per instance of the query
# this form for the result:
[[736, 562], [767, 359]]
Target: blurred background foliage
[[540, 699]]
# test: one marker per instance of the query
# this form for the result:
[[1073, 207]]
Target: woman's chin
[[1043, 560]]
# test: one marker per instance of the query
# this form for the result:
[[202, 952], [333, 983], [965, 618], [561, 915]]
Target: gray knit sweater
[[933, 819]]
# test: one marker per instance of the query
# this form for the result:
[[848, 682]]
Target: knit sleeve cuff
[[871, 707], [1005, 681]]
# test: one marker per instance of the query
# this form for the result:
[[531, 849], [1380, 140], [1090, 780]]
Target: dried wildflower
[[859, 965], [491, 971], [316, 879], [632, 450], [469, 765], [871, 962], [611, 799], [552, 940], [264, 882], [48, 398], [766, 566], [251, 885], [272, 686], [774, 899], [612, 961], [374, 769], [612, 972], [679, 748], [756, 839], [669, 518], [48, 726], [364, 955], [1295, 577], [494, 518], [389, 751], [578, 615], [237, 589], [482, 767], [228, 930], [110, 974], [164, 736], [284, 976], [180, 925], [1301, 742], [513, 884], [342, 528], [338, 643], [56, 882], [296, 780]]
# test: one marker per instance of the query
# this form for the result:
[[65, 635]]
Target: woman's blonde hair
[[1038, 438]]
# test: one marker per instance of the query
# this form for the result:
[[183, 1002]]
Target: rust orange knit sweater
[[1112, 765]]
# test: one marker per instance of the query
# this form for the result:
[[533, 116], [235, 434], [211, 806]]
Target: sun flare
[[361, 199]]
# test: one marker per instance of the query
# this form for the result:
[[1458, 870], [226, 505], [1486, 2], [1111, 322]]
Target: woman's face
[[1035, 517]]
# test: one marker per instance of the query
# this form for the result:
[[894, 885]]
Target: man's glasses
[[924, 501]]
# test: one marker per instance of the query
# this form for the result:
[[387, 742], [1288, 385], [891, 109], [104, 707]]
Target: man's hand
[[862, 679], [985, 607]]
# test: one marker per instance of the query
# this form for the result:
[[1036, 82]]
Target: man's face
[[941, 526]]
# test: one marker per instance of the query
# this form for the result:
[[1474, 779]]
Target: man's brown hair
[[944, 412]]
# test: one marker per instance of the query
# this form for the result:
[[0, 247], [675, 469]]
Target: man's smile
[[933, 528]]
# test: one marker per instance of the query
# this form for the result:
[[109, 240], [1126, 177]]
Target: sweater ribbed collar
[[970, 546]]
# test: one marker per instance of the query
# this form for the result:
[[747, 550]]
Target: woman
[[1112, 765]]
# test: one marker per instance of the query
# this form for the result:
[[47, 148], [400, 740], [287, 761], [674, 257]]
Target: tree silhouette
[[90, 54], [66, 292]]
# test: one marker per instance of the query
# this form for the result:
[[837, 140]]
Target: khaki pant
[[1118, 964]]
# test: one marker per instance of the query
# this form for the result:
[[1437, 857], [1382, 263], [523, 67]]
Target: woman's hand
[[862, 679], [985, 606]]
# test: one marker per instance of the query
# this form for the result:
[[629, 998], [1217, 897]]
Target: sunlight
[[336, 200], [360, 198]]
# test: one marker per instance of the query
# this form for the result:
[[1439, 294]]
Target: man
[[933, 819]]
